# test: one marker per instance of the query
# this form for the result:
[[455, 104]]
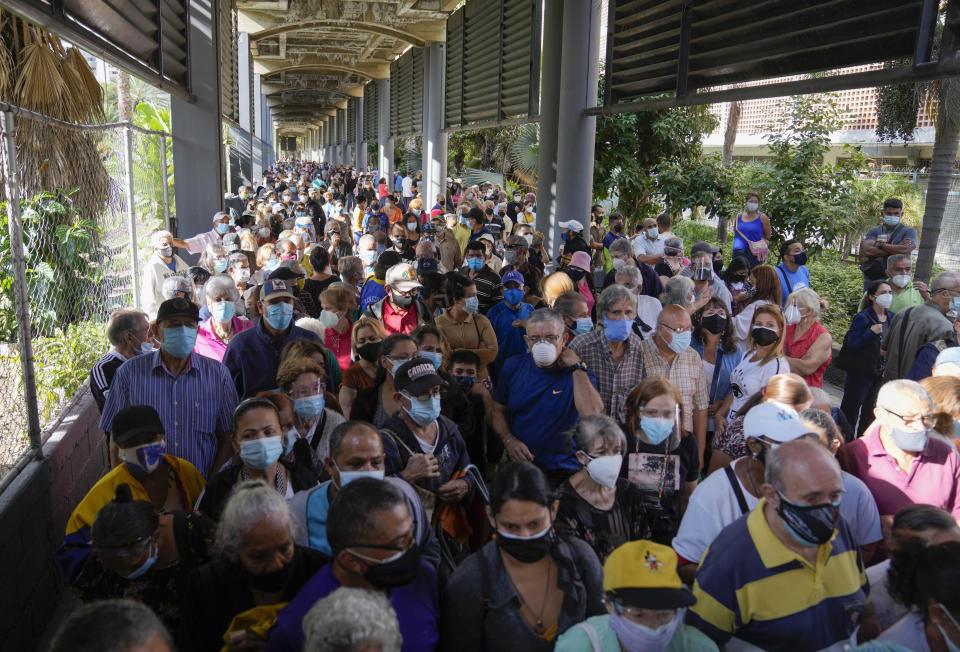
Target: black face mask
[[714, 323], [574, 274], [272, 582], [527, 551], [394, 573], [811, 525], [397, 242], [717, 266], [617, 228], [800, 258], [764, 336], [401, 301], [370, 351]]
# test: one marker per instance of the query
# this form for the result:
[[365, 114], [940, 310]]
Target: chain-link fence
[[80, 202]]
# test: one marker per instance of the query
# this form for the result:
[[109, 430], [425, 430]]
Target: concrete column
[[384, 140], [549, 119], [360, 147], [197, 147], [244, 91], [342, 136], [434, 158], [576, 132], [335, 138], [327, 155], [256, 133]]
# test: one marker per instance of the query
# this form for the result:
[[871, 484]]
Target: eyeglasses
[[925, 419], [535, 339], [678, 330]]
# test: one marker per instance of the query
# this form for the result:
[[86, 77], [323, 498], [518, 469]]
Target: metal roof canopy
[[146, 37], [664, 53]]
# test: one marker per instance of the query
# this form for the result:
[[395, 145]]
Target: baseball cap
[[580, 260], [703, 247], [950, 355], [133, 421], [427, 266], [275, 287], [417, 376], [488, 238], [644, 574], [573, 225], [773, 422], [177, 307], [278, 207], [402, 277], [513, 276]]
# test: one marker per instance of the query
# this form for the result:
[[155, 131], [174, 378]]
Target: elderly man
[[898, 459], [192, 394], [918, 325], [199, 242], [648, 308], [372, 537], [620, 250], [448, 249], [427, 250], [161, 264], [541, 395], [356, 451], [401, 310], [506, 318], [129, 335], [648, 244], [367, 251], [704, 280], [612, 351], [668, 355], [929, 356], [906, 291], [788, 576], [253, 355], [515, 257]]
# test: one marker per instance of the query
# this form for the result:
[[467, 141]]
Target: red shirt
[[339, 343], [798, 348], [399, 321]]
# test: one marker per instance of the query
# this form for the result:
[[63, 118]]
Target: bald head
[[674, 316], [804, 472]]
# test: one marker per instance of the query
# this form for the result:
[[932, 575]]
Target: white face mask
[[752, 206], [544, 354], [242, 275], [792, 314], [901, 280], [605, 469], [328, 318], [884, 300]]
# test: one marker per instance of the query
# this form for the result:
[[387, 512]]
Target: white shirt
[[909, 632], [742, 322], [648, 309], [644, 246], [199, 242], [888, 610], [748, 378], [151, 283], [407, 186]]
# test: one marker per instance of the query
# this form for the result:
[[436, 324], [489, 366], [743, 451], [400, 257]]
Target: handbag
[[759, 248]]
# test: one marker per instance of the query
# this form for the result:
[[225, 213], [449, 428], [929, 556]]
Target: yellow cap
[[644, 574]]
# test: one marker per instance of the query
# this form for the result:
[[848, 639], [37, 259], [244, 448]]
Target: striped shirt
[[615, 380], [489, 287], [101, 374], [193, 407], [755, 588]]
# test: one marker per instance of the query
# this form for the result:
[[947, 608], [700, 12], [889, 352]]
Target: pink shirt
[[209, 345], [339, 343], [584, 289], [933, 479]]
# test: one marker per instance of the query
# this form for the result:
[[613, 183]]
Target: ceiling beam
[[417, 34], [365, 69]]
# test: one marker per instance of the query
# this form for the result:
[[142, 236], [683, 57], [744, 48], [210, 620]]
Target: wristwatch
[[578, 365]]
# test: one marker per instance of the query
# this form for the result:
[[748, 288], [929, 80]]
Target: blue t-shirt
[[792, 281], [610, 237], [416, 605], [541, 409], [509, 339]]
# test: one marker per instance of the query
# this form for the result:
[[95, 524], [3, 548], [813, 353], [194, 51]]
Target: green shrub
[[840, 285]]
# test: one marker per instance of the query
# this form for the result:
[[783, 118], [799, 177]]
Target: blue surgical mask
[[680, 342], [396, 365], [346, 477], [279, 315], [656, 429], [144, 458], [222, 228], [955, 304], [220, 265], [464, 220], [475, 264], [223, 310], [434, 357], [513, 296], [260, 453], [471, 305], [466, 382], [891, 220], [178, 341], [272, 263], [310, 407], [584, 325], [617, 330], [147, 565], [423, 411]]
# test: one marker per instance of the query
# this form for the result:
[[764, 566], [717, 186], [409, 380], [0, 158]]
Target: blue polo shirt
[[610, 237], [253, 357], [790, 282], [509, 339], [541, 410], [416, 605], [750, 585]]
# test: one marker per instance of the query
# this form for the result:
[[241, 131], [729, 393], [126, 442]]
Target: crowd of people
[[368, 419]]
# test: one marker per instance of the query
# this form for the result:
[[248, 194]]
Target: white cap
[[403, 277], [774, 422], [573, 225]]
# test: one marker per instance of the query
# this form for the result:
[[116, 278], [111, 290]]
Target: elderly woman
[[259, 565], [526, 551], [365, 344], [352, 620], [178, 285], [318, 353], [595, 503], [215, 332], [302, 380], [238, 267], [140, 555], [214, 259], [678, 291], [662, 463], [807, 343], [267, 261], [258, 441], [162, 263], [945, 393], [648, 307], [339, 306]]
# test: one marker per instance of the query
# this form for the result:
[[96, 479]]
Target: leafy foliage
[[63, 361], [840, 285], [707, 183]]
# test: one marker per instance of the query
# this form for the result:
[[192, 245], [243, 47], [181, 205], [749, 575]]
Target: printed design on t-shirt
[[646, 471]]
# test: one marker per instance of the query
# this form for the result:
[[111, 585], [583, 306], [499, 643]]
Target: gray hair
[[108, 626], [677, 291], [368, 240], [621, 246], [611, 295], [350, 266], [945, 281], [898, 258], [629, 270], [213, 250], [175, 283], [597, 426], [425, 246], [894, 388], [351, 620], [822, 421], [806, 298], [158, 236], [221, 283], [121, 322], [251, 503], [237, 258], [546, 315], [779, 458]]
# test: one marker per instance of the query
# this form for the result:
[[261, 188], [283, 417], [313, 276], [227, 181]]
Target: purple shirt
[[416, 605], [933, 478]]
